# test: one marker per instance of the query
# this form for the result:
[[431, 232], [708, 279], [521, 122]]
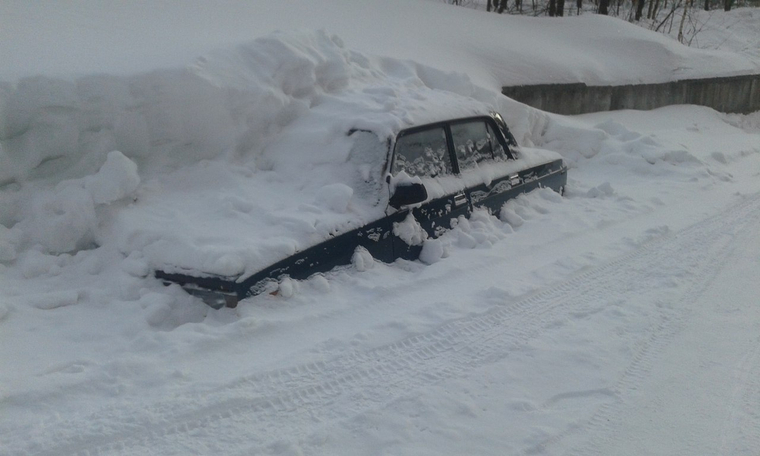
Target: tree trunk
[[657, 8], [560, 8], [579, 4], [603, 5], [552, 7], [502, 5], [640, 9], [673, 15], [707, 5], [683, 20], [727, 4]]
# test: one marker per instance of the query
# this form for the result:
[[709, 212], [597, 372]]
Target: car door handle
[[460, 199]]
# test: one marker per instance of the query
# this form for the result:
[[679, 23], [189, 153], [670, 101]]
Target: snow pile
[[735, 31], [202, 169], [65, 218], [615, 144], [92, 36]]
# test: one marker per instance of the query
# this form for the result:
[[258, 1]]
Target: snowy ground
[[92, 36], [620, 319]]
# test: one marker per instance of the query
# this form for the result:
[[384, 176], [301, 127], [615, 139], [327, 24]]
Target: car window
[[423, 153], [498, 150], [473, 143]]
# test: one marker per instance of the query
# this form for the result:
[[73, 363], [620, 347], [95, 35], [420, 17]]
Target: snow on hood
[[223, 167]]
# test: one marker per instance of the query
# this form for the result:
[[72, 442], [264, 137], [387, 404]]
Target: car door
[[425, 153], [477, 143], [480, 142]]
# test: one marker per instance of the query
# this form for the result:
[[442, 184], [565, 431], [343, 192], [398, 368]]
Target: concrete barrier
[[735, 94]]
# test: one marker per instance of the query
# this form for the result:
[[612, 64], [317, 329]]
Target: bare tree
[[669, 17], [661, 15], [653, 4], [683, 19], [560, 7], [640, 9], [498, 5]]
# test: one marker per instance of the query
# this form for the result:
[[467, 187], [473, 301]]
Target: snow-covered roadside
[[116, 356], [536, 332], [735, 31], [550, 372], [223, 168], [93, 36]]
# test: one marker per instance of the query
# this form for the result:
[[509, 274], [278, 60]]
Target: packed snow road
[[636, 359]]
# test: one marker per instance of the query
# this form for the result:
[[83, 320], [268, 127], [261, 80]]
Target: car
[[430, 175]]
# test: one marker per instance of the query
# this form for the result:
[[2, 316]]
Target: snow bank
[[736, 31], [244, 157], [241, 157], [223, 167], [64, 218], [90, 36]]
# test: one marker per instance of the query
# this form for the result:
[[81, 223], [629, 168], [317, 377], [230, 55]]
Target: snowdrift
[[232, 160], [220, 168], [94, 37]]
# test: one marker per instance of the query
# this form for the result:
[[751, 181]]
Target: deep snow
[[620, 319], [91, 36]]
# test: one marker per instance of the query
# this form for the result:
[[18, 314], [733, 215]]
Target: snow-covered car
[[424, 177]]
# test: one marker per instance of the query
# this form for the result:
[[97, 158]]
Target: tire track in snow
[[741, 427], [609, 416], [748, 441], [261, 409], [741, 431]]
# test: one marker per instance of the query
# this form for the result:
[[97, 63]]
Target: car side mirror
[[407, 194]]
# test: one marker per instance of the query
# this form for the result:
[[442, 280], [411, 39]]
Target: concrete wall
[[738, 94]]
